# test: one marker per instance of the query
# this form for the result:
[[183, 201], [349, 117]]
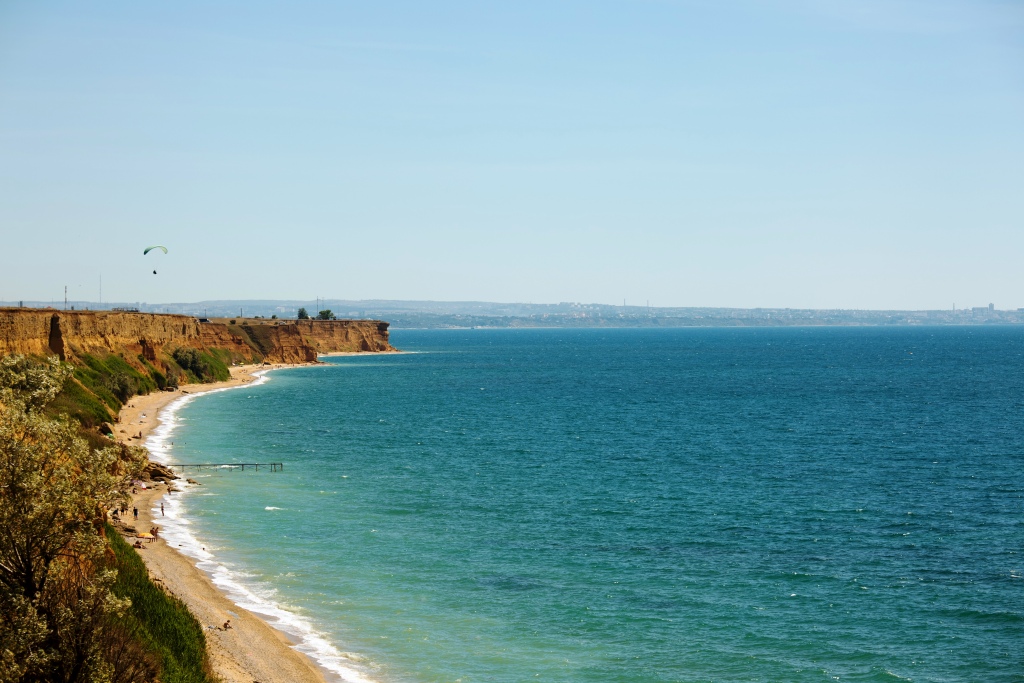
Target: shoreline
[[253, 649]]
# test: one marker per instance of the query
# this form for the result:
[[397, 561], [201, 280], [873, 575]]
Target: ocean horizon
[[757, 504]]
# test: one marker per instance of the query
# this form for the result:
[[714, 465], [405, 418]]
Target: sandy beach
[[251, 650]]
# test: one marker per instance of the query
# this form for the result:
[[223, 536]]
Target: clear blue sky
[[802, 153]]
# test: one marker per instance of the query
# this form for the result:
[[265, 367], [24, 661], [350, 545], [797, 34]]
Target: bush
[[122, 385], [59, 620], [204, 367]]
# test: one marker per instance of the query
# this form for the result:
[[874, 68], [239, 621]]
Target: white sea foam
[[242, 589]]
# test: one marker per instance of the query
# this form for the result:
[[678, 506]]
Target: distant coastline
[[481, 314]]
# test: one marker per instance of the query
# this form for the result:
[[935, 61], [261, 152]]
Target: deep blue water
[[634, 505]]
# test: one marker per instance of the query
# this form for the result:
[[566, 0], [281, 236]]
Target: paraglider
[[149, 249]]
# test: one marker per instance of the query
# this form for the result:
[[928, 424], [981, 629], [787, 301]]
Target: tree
[[58, 616], [191, 360], [303, 315], [326, 315]]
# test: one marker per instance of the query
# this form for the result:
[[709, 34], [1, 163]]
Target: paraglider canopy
[[149, 249]]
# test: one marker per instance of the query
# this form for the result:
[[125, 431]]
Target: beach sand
[[251, 650]]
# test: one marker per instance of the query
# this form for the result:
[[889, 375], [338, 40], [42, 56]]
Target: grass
[[166, 626], [79, 403], [113, 380], [101, 385], [93, 380]]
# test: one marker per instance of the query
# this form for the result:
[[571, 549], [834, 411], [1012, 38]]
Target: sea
[[608, 505]]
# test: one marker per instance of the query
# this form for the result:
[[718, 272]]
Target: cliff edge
[[154, 336], [120, 354]]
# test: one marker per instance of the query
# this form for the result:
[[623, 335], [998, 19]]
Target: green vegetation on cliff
[[100, 384]]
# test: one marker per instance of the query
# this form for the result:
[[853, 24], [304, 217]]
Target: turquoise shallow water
[[629, 505]]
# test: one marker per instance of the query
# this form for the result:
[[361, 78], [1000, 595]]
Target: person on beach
[[161, 509], [135, 513], [227, 625]]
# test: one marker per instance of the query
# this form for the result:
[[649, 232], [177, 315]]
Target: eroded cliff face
[[72, 334], [333, 336]]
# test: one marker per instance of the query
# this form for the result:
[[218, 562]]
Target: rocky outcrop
[[72, 334], [156, 472]]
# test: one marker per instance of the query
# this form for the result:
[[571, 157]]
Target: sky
[[739, 153]]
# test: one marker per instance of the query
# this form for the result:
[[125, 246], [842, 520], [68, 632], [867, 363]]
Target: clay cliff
[[331, 336], [302, 340], [70, 334], [74, 334]]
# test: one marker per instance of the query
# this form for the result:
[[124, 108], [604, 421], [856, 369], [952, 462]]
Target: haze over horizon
[[775, 153]]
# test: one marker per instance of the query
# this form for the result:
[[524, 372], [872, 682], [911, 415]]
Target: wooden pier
[[274, 466]]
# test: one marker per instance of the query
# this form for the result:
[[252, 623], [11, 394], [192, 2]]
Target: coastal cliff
[[120, 354], [332, 336], [302, 340], [69, 334], [75, 334]]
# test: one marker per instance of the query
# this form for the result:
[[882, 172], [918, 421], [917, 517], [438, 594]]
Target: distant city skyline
[[808, 154]]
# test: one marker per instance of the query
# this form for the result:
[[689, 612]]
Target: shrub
[[122, 385], [59, 620], [204, 367]]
